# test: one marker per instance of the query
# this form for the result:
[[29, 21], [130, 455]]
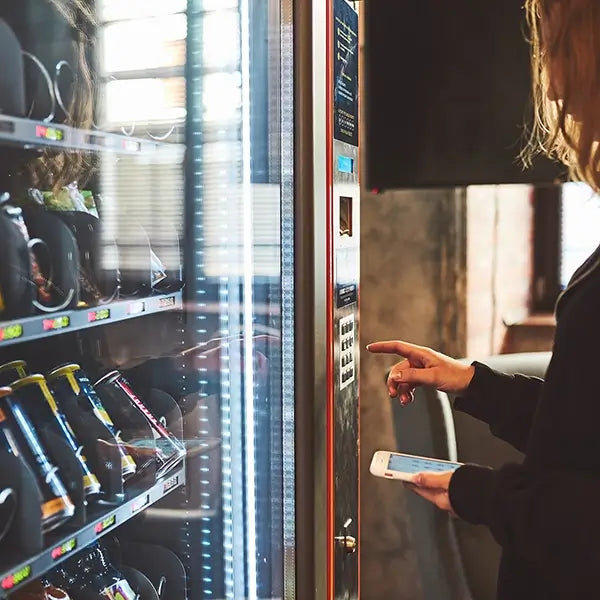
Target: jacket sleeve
[[548, 519], [507, 403], [546, 511]]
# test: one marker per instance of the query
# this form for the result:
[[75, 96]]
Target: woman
[[545, 513]]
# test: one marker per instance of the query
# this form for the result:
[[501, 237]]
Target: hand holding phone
[[404, 467]]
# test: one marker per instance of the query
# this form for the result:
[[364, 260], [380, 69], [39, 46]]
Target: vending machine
[[179, 239]]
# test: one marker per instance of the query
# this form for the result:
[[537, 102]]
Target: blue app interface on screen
[[406, 464]]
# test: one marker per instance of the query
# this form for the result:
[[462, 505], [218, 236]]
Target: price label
[[12, 332], [7, 126], [131, 145], [136, 308], [96, 140], [104, 525], [56, 324], [140, 503], [170, 484], [166, 302], [67, 547], [54, 134], [16, 578], [98, 315]]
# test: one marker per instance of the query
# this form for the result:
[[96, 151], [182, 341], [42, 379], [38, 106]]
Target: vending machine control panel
[[345, 199]]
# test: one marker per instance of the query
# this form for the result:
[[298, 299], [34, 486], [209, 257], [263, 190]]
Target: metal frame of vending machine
[[251, 360], [327, 283]]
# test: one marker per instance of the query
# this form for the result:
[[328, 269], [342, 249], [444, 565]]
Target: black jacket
[[545, 513]]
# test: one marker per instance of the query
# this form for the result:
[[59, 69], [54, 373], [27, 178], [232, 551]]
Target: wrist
[[468, 372]]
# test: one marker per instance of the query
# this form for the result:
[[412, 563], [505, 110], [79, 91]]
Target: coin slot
[[346, 216]]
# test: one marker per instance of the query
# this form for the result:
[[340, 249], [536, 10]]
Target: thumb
[[434, 481], [422, 376]]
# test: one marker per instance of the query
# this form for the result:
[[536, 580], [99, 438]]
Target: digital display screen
[[16, 578], [12, 332], [53, 134], [103, 525], [67, 547], [345, 164], [55, 324], [99, 315], [414, 464]]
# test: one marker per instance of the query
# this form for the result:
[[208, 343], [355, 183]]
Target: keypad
[[347, 360]]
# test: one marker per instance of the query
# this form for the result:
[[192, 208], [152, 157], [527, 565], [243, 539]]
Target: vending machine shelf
[[29, 568], [31, 134], [46, 325]]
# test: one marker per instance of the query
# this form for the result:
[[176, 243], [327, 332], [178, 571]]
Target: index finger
[[397, 347]]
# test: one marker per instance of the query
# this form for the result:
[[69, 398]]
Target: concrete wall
[[446, 269], [412, 280]]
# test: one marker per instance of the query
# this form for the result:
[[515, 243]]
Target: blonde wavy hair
[[52, 170], [565, 40]]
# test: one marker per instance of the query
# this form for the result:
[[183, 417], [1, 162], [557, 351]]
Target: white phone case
[[404, 467]]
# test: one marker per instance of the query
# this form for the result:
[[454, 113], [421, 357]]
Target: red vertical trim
[[359, 171], [330, 321], [357, 533]]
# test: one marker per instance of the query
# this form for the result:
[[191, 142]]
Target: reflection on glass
[[145, 100], [144, 44], [218, 26], [109, 10], [172, 111]]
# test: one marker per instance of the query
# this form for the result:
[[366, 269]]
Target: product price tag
[[136, 308], [138, 504], [168, 302], [67, 547], [7, 126], [11, 332], [53, 134], [16, 578], [170, 484], [105, 524], [99, 315], [131, 145], [56, 324]]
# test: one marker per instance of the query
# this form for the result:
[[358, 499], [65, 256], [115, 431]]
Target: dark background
[[447, 92]]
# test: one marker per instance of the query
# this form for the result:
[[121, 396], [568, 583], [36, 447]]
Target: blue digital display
[[345, 164]]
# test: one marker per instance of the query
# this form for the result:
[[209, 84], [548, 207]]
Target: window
[[567, 231], [580, 227]]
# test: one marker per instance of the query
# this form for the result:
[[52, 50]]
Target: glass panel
[[239, 287], [150, 43], [141, 147], [109, 10]]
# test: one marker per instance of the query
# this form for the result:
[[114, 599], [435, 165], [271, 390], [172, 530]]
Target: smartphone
[[394, 465]]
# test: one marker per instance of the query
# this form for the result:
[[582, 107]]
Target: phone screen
[[414, 464]]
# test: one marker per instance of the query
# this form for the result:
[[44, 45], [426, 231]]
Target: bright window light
[[140, 44], [580, 226], [222, 97], [113, 10], [145, 100], [219, 26]]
